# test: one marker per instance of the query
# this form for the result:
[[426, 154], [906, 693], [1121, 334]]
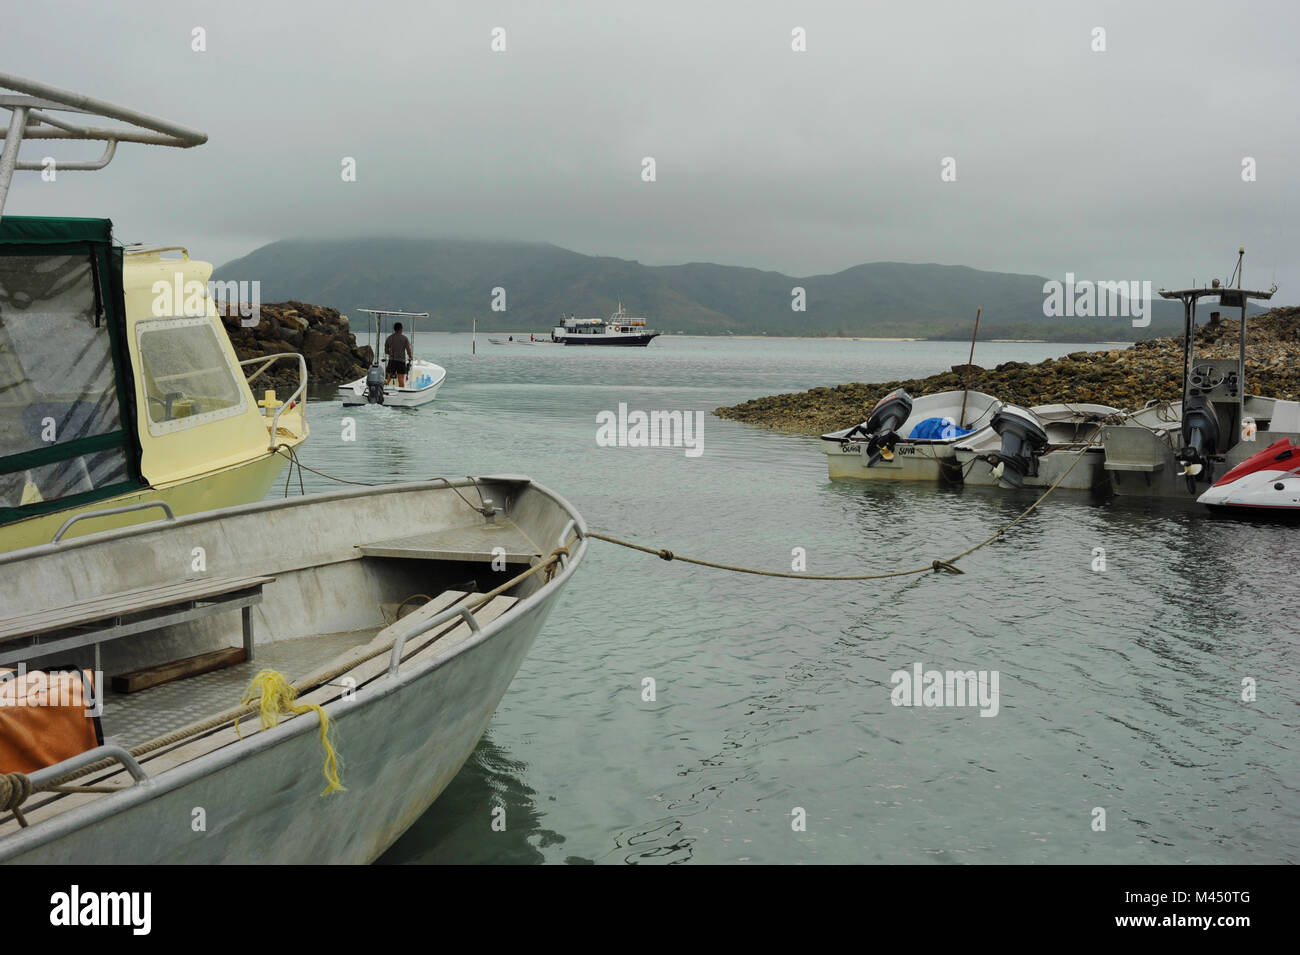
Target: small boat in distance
[[511, 340], [619, 329], [423, 378]]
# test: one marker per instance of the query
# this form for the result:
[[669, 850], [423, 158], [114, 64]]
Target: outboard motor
[[1023, 440], [1200, 440], [375, 384], [881, 426]]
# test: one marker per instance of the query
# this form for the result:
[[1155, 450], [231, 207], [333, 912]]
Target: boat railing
[[425, 626], [158, 250], [30, 119], [296, 398], [52, 774], [110, 511]]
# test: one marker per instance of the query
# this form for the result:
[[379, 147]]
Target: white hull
[[354, 392], [1054, 466], [915, 459], [1260, 490]]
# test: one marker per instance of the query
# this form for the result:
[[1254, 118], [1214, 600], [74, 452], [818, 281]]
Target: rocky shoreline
[[1125, 378], [320, 334]]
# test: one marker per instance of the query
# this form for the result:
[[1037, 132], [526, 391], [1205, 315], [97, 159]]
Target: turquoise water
[[1118, 690]]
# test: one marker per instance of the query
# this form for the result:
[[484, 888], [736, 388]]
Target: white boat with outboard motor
[[909, 439], [423, 378], [389, 704], [1217, 425], [1038, 447]]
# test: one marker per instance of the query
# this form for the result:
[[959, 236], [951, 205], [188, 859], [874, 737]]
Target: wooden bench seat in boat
[[113, 616], [476, 543], [417, 650]]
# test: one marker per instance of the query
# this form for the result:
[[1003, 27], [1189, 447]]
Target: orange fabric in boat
[[44, 718]]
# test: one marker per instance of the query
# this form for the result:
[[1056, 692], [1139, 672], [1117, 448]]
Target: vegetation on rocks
[[1125, 378]]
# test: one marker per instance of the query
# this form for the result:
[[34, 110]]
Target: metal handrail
[[437, 620], [29, 120], [109, 512], [73, 763], [267, 361], [150, 249]]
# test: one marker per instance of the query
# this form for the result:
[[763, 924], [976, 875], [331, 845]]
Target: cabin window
[[58, 384], [188, 378]]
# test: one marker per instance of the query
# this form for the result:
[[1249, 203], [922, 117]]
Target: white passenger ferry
[[619, 329]]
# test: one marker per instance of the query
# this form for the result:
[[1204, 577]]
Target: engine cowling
[[1200, 441], [375, 385], [881, 426], [1023, 440]]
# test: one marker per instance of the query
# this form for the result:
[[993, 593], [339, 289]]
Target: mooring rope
[[949, 565], [295, 461]]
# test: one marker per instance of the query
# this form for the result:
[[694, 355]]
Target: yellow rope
[[278, 697]]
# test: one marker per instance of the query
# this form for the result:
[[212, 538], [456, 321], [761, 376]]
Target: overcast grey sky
[[1114, 165]]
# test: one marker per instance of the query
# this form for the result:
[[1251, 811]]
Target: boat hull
[[354, 392], [1077, 475], [240, 484], [626, 341], [912, 462], [400, 738], [400, 744], [1150, 468]]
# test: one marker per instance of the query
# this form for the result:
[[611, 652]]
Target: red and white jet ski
[[1267, 483]]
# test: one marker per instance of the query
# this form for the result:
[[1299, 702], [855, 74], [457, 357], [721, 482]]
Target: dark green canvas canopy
[[67, 415], [49, 230]]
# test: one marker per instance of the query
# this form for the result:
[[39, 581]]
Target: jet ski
[[1266, 484]]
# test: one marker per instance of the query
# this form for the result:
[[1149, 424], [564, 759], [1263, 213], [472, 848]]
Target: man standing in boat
[[398, 349]]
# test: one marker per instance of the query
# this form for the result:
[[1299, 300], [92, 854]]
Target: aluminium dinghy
[[399, 613]]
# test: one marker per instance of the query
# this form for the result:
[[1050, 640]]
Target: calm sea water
[[1118, 690]]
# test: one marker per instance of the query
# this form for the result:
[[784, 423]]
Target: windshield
[[187, 377]]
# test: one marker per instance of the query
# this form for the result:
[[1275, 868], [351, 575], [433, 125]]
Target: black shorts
[[396, 367]]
